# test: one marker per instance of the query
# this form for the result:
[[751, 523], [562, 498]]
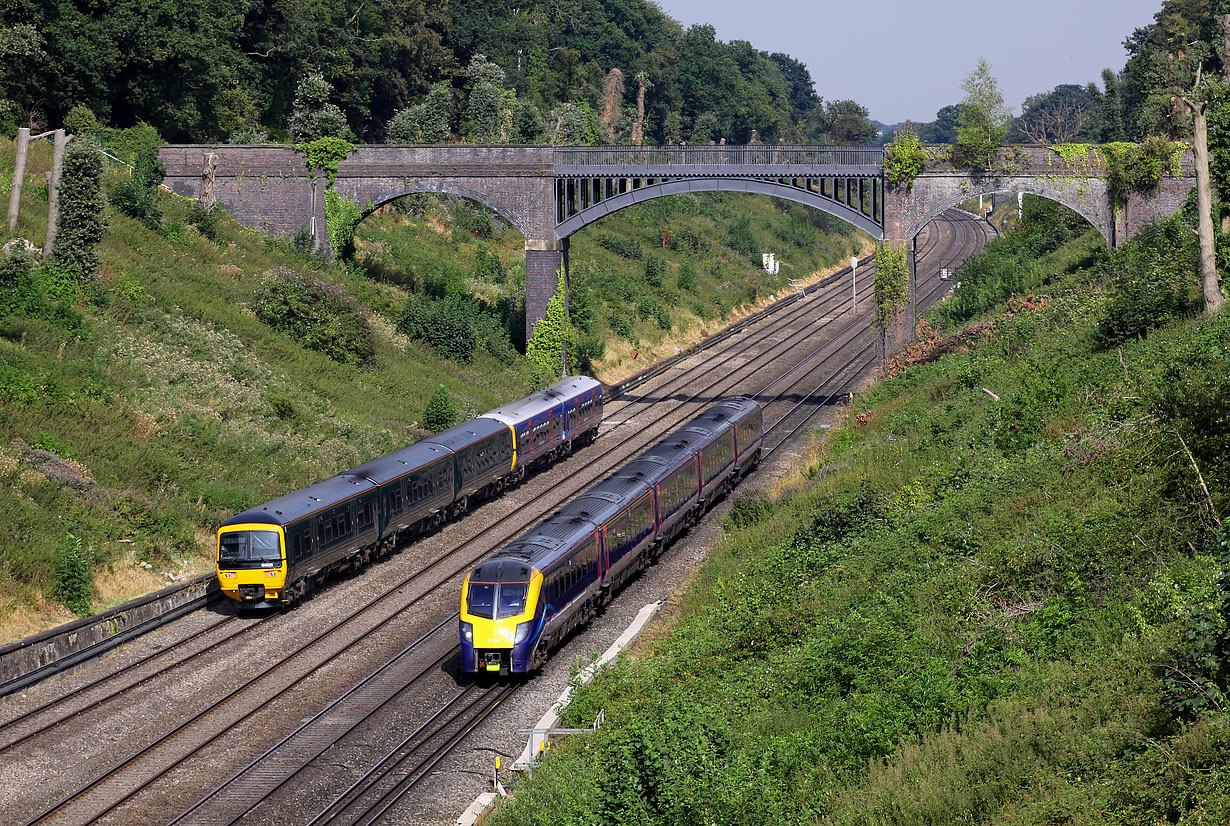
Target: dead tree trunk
[[1204, 205]]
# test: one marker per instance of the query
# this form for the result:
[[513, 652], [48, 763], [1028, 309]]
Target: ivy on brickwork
[[326, 154], [342, 215], [904, 158], [1079, 158], [892, 282], [1139, 167]]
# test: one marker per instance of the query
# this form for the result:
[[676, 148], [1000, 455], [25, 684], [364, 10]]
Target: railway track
[[127, 791]]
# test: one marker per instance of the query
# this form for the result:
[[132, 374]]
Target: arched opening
[[658, 274], [460, 263], [1088, 198], [815, 198]]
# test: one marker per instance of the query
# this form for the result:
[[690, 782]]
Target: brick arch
[[1087, 197], [445, 187], [679, 187]]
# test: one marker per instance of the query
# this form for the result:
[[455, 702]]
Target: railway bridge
[[548, 193]]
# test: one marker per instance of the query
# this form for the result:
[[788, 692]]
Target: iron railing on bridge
[[716, 156]]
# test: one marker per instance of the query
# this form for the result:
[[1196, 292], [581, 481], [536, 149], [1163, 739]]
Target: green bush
[[623, 247], [440, 414], [15, 266], [81, 224], [134, 195], [206, 220], [317, 314], [74, 576], [456, 326]]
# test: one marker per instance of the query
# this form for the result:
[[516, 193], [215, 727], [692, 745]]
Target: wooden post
[[19, 174], [53, 192]]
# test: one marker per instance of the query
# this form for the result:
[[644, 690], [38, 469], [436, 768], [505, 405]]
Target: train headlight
[[523, 631], [467, 632]]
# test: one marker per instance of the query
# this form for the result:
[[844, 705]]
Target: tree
[[313, 116], [983, 119], [440, 414], [426, 121], [1062, 115], [1197, 103], [81, 224], [486, 104], [704, 128], [944, 128], [847, 123]]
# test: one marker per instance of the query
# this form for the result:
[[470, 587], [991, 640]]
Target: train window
[[481, 599], [249, 546], [511, 600]]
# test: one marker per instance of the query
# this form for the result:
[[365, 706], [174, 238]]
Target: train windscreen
[[481, 599], [512, 599], [250, 548]]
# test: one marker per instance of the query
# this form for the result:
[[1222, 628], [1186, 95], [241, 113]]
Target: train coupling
[[252, 593]]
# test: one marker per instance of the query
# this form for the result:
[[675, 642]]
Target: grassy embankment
[[643, 281], [137, 414], [993, 597]]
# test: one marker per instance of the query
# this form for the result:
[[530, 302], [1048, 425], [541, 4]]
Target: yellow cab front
[[252, 563]]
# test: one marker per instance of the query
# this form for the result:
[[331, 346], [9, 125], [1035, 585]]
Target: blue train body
[[520, 602], [275, 553]]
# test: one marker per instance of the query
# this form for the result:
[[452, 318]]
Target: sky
[[904, 59]]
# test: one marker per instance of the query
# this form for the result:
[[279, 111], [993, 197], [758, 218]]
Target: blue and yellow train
[[520, 602], [275, 554]]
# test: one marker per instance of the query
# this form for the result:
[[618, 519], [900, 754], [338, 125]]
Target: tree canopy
[[207, 70]]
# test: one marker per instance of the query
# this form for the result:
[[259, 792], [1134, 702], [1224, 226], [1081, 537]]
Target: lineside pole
[[53, 192], [19, 175]]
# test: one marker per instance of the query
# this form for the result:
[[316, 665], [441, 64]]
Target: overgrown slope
[[1001, 596], [138, 413], [643, 280]]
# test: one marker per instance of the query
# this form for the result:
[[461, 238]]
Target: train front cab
[[252, 563], [501, 616]]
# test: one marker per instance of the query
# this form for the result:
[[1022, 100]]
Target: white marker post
[[854, 283]]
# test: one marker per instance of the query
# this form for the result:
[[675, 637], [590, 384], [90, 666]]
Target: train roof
[[387, 468], [498, 568], [465, 434], [525, 408], [541, 401], [669, 452], [546, 542], [604, 500], [294, 506], [736, 407], [573, 385]]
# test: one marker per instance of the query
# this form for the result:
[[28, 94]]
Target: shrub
[[134, 195], [445, 324], [545, 347], [1140, 303], [342, 215], [81, 224], [74, 576], [206, 220], [623, 247], [904, 158], [15, 266], [654, 270], [686, 279], [440, 414], [1196, 673], [472, 219], [317, 314]]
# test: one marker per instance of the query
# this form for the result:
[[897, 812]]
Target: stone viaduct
[[548, 193]]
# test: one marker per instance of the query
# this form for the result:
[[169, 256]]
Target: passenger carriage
[[518, 604], [274, 554]]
